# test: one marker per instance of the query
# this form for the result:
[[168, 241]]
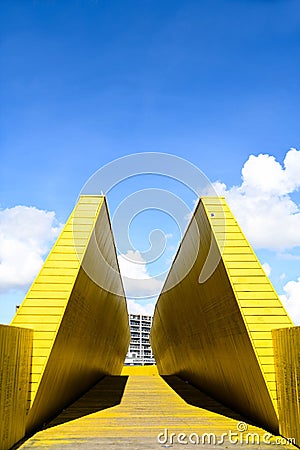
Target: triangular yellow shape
[[81, 329], [213, 320]]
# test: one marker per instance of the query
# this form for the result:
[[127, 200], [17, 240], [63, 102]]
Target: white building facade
[[139, 352]]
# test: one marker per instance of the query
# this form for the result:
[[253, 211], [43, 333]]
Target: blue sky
[[86, 82]]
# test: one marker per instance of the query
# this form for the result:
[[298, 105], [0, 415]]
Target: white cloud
[[136, 279], [267, 268], [136, 308], [289, 256], [262, 203], [263, 174], [291, 300], [26, 234]]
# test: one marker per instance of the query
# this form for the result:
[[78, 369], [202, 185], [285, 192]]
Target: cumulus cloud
[[26, 234], [267, 268], [137, 308], [291, 300], [267, 213], [262, 203], [137, 281]]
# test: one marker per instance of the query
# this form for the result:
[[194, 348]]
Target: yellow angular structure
[[217, 333], [287, 367], [81, 329], [15, 363]]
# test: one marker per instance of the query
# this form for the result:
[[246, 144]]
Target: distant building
[[139, 352]]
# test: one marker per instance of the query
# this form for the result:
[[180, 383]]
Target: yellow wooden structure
[[81, 329], [214, 331], [15, 362], [140, 410], [218, 333], [287, 366]]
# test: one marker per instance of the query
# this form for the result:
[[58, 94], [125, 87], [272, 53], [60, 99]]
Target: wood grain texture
[[218, 334], [287, 366], [81, 329], [131, 411], [15, 363]]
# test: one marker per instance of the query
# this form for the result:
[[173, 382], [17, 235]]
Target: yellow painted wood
[[265, 320], [42, 305], [239, 258], [262, 311], [130, 413], [287, 365], [237, 251], [15, 361], [251, 264], [42, 296], [139, 370], [246, 271], [217, 334], [50, 287], [241, 286], [39, 309], [60, 271], [247, 284], [81, 331]]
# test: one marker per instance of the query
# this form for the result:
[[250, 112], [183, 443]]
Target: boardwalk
[[130, 411]]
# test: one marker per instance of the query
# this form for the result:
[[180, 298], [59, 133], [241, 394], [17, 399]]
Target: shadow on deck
[[105, 394], [193, 396]]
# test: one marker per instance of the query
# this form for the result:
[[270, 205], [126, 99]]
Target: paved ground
[[139, 410]]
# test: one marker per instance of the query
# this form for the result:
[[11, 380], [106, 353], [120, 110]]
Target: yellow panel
[[247, 271], [239, 258], [217, 334], [235, 251], [15, 360], [38, 360], [58, 264], [61, 271], [267, 318], [50, 287], [233, 243], [62, 252], [43, 335], [81, 330], [65, 279], [265, 351], [241, 264], [257, 295], [83, 220], [42, 298], [250, 287], [37, 351], [260, 309], [260, 335], [287, 365], [35, 379], [257, 280]]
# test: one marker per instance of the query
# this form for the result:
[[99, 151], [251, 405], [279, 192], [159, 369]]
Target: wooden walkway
[[130, 411]]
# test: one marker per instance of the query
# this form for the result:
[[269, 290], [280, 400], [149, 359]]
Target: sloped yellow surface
[[287, 366], [81, 329], [217, 333]]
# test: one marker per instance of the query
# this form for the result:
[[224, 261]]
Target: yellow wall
[[287, 365], [217, 334], [15, 361], [81, 330]]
